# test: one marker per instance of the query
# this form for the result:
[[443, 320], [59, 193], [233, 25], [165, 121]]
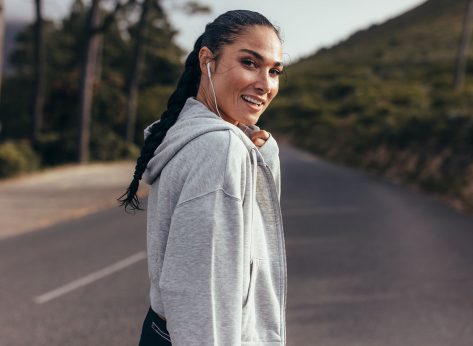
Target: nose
[[264, 82]]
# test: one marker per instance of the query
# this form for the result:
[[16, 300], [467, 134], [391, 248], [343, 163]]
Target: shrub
[[108, 146], [17, 157]]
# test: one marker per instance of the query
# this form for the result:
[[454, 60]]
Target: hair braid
[[187, 86]]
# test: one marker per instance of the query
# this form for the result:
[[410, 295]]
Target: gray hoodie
[[215, 241]]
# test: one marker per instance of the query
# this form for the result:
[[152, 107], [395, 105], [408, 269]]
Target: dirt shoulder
[[32, 202]]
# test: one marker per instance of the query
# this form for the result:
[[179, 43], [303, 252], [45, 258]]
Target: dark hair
[[225, 29]]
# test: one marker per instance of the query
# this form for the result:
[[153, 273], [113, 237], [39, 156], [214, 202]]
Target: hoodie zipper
[[275, 199]]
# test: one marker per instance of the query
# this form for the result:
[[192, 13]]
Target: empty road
[[369, 263]]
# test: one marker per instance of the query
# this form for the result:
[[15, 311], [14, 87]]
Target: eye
[[248, 62], [277, 72]]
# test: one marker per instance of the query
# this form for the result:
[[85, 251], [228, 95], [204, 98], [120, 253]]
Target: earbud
[[213, 90], [208, 68]]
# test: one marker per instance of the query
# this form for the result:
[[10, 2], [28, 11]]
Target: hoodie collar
[[194, 120]]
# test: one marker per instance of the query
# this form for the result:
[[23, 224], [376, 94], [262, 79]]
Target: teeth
[[252, 100]]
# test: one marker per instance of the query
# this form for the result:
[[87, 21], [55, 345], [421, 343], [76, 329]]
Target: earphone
[[213, 90], [208, 69]]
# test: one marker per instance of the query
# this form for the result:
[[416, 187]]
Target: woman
[[216, 254]]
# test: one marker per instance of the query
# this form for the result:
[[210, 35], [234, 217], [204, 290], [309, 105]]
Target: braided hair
[[225, 29]]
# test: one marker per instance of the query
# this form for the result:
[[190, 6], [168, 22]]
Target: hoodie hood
[[194, 120]]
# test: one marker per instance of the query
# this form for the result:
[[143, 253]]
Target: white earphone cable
[[213, 90]]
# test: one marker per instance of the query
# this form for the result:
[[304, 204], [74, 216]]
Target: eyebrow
[[259, 56]]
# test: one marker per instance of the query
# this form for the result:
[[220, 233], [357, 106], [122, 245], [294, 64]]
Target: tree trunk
[[98, 68], [38, 82], [89, 65], [463, 48], [2, 30], [136, 70]]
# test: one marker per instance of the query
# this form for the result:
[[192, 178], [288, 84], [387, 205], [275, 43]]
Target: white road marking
[[85, 280]]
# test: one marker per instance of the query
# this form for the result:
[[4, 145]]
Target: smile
[[251, 100]]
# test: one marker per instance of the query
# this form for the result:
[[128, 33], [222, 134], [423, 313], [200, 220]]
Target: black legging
[[154, 331]]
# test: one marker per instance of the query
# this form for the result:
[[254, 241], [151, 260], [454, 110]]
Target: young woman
[[216, 251]]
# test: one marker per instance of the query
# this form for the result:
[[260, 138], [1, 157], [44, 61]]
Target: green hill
[[383, 100], [428, 33]]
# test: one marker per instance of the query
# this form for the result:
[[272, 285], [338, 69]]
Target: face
[[245, 77]]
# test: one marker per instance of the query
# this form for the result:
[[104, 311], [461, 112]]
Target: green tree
[[2, 29], [463, 47], [39, 63], [87, 78], [108, 116]]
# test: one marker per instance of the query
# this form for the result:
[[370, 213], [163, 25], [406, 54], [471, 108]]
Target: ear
[[205, 56]]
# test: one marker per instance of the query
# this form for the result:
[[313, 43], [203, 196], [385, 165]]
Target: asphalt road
[[369, 263]]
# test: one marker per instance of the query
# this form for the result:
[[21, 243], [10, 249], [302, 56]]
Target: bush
[[106, 145], [17, 157]]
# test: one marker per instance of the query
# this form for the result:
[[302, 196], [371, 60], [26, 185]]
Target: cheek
[[274, 89], [242, 78], [233, 83]]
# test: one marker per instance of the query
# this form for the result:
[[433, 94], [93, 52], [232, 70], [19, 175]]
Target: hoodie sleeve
[[201, 279]]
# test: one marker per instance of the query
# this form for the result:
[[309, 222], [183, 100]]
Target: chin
[[252, 121]]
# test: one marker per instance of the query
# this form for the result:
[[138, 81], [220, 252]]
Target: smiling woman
[[246, 75], [215, 240]]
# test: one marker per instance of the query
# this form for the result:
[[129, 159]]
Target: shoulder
[[216, 160], [218, 143], [216, 146]]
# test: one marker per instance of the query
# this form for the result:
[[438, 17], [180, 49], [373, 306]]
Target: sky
[[306, 25]]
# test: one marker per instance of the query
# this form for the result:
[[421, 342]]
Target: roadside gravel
[[34, 201]]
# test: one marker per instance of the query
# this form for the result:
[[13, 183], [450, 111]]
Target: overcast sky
[[306, 25]]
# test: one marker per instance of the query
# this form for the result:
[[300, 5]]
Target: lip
[[256, 98], [252, 106]]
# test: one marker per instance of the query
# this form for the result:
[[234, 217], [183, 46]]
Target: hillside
[[427, 33], [383, 100]]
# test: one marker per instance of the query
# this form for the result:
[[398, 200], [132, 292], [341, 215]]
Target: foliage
[[383, 100], [17, 157], [64, 42]]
